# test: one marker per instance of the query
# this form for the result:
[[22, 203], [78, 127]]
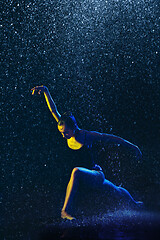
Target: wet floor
[[100, 60], [118, 225]]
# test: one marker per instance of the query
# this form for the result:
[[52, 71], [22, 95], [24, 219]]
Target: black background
[[100, 60]]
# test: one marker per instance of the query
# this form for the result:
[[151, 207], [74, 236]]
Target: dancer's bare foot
[[65, 215]]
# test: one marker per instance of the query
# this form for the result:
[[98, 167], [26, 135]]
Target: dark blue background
[[100, 60]]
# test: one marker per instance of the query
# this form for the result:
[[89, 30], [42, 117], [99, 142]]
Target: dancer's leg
[[91, 177], [70, 191], [119, 192], [95, 179]]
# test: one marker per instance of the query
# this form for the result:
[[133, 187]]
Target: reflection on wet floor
[[99, 59], [120, 225]]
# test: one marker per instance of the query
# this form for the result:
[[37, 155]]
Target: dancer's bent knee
[[75, 173]]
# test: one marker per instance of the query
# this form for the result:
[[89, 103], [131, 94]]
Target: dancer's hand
[[40, 89], [138, 154], [97, 168]]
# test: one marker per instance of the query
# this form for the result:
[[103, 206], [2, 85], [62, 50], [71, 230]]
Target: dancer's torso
[[82, 154]]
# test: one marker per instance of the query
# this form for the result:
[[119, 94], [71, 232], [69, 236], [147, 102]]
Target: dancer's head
[[67, 125]]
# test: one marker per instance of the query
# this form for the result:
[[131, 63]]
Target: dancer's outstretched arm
[[109, 138], [51, 104]]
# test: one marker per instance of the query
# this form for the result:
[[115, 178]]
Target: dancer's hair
[[68, 119]]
